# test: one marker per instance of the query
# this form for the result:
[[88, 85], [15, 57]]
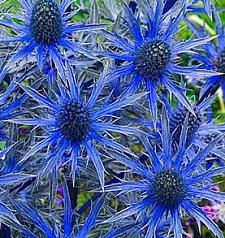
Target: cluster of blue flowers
[[98, 109]]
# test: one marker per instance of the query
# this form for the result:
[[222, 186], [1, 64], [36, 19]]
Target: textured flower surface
[[171, 185], [45, 28], [111, 125], [74, 124], [150, 55]]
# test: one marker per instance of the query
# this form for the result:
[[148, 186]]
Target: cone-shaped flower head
[[171, 184], [149, 54], [46, 28], [75, 124]]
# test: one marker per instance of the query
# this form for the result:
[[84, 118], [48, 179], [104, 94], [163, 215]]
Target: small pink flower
[[215, 188], [211, 211]]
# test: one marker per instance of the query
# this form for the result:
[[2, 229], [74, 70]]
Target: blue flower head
[[45, 28], [150, 54], [214, 57], [75, 124], [173, 183]]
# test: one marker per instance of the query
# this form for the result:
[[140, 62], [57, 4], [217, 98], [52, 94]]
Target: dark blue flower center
[[177, 121], [219, 62], [152, 58], [168, 188], [46, 22], [74, 121]]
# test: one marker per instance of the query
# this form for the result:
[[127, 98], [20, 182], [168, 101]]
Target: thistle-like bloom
[[172, 184], [66, 228], [45, 28], [74, 124], [150, 55], [214, 55]]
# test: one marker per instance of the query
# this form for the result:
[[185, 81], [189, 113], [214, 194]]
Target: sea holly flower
[[150, 55], [173, 183], [45, 29], [65, 228], [75, 124], [214, 55]]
